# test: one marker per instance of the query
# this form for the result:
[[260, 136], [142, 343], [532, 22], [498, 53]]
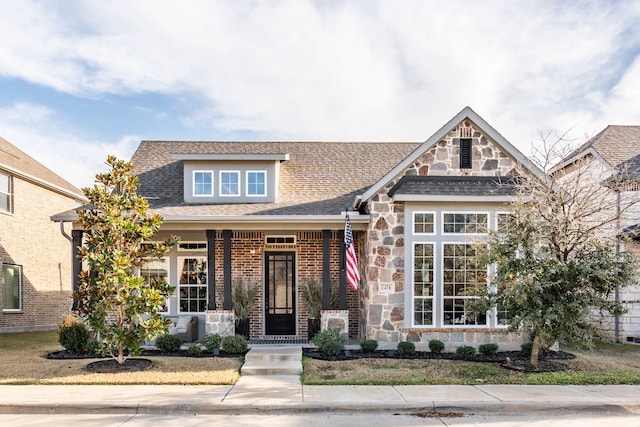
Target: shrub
[[211, 341], [369, 346], [526, 349], [194, 350], [326, 336], [332, 348], [466, 352], [436, 346], [406, 348], [73, 335], [168, 343], [92, 347], [234, 344], [488, 349]]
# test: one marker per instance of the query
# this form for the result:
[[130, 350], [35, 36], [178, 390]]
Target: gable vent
[[465, 132]]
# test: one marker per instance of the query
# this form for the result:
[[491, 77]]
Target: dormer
[[230, 178]]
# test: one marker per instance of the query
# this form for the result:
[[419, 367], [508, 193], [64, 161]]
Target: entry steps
[[273, 360]]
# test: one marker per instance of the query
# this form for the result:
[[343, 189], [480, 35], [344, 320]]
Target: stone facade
[[384, 301], [221, 322], [336, 319]]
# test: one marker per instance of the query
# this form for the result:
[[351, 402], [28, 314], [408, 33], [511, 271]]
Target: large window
[[155, 271], [462, 275], [11, 287], [202, 183], [256, 183], [465, 223], [229, 183], [423, 284], [192, 284], [5, 193]]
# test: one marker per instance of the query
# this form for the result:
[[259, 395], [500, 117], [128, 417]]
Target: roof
[[464, 114], [615, 145], [319, 178], [455, 186], [18, 163]]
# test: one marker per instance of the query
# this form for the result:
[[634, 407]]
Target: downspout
[[64, 233]]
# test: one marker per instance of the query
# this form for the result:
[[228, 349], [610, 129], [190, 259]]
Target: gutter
[[36, 180]]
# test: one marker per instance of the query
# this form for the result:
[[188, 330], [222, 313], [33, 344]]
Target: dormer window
[[229, 183], [202, 183], [256, 183]]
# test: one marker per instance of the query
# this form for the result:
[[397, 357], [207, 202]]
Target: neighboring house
[[275, 212], [612, 159], [36, 278]]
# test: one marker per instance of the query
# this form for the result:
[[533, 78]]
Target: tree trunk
[[535, 350]]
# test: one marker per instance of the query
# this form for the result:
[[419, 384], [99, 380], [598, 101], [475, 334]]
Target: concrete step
[[274, 354], [287, 367]]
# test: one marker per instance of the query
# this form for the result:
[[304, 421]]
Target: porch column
[[326, 263], [211, 269], [227, 304], [342, 289], [76, 264]]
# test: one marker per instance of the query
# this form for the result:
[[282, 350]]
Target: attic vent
[[465, 132], [465, 153], [280, 242]]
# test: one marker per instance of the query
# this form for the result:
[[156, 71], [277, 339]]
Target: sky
[[83, 79]]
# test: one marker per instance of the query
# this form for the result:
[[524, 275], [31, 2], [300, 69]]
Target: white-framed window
[[11, 287], [229, 183], [465, 222], [202, 183], [462, 275], [423, 284], [424, 223], [192, 284], [156, 271], [6, 193], [503, 219], [256, 183]]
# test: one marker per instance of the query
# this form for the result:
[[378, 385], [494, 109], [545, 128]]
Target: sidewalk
[[285, 394]]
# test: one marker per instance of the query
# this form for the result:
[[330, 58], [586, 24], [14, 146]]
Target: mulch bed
[[109, 366], [514, 360], [65, 355]]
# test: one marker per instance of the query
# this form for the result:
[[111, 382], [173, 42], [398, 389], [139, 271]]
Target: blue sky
[[83, 79]]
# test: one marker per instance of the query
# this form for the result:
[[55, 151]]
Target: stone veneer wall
[[220, 322], [383, 301]]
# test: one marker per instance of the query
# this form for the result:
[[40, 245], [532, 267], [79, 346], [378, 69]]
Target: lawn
[[605, 364], [24, 361]]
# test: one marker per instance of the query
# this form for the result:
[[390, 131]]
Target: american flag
[[351, 262]]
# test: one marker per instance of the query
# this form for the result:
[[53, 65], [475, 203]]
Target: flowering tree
[[120, 307]]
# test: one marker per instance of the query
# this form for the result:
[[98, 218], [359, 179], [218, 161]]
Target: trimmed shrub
[[211, 341], [406, 349], [168, 343], [436, 346], [327, 335], [466, 352], [332, 348], [73, 335], [234, 344], [194, 350], [526, 349], [368, 346], [92, 347], [488, 349]]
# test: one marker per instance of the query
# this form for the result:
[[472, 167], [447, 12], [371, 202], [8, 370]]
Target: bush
[[406, 348], [466, 352], [234, 344], [488, 349], [92, 347], [168, 343], [436, 346], [526, 349], [73, 335], [194, 350], [332, 348], [369, 346], [211, 341], [327, 335]]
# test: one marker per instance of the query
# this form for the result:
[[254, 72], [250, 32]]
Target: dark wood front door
[[280, 293]]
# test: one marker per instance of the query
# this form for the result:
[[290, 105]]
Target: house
[[612, 158], [34, 256], [274, 212]]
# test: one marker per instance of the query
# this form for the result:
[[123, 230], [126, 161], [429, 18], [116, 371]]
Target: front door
[[280, 293]]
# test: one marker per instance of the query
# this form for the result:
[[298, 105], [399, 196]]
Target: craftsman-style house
[[274, 213]]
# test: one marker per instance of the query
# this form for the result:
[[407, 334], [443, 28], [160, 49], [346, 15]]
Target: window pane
[[470, 223], [202, 183], [463, 274], [11, 287], [5, 193], [229, 183], [192, 282], [256, 183], [5, 186], [423, 284], [423, 223]]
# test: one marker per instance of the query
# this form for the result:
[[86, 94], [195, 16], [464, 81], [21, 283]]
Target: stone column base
[[221, 322], [336, 319]]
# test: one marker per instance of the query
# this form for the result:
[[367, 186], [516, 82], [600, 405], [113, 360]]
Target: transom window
[[256, 183], [11, 287], [192, 284], [5, 193], [465, 223], [463, 274], [202, 183], [229, 183], [423, 259], [423, 223]]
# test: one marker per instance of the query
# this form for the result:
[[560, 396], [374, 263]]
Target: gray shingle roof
[[455, 185], [615, 144], [320, 178]]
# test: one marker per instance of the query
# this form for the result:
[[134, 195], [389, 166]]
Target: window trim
[[413, 223], [193, 181], [220, 183], [264, 174], [180, 261], [449, 233], [20, 288], [8, 194]]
